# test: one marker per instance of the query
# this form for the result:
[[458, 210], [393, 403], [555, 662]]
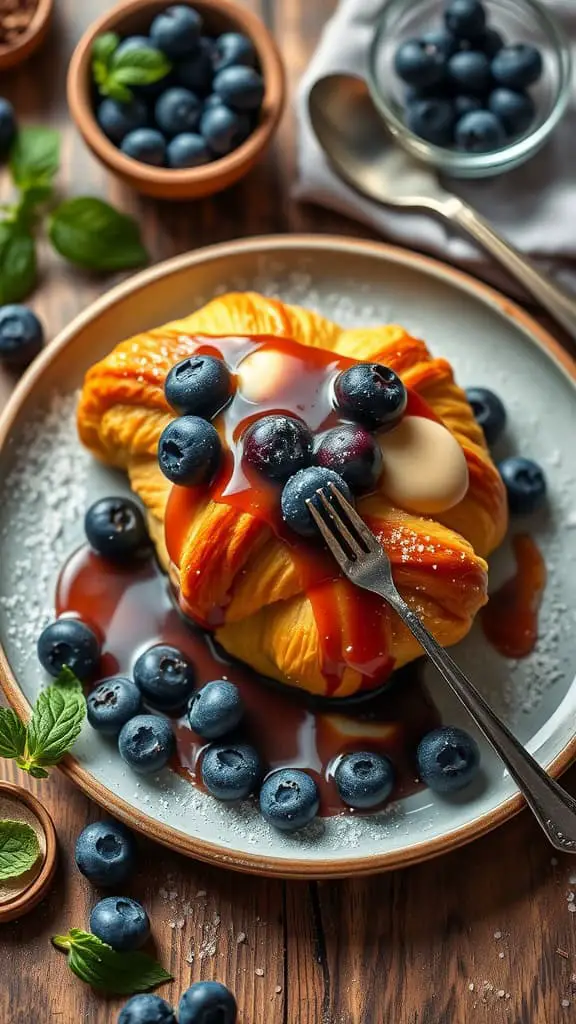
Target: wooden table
[[483, 934]]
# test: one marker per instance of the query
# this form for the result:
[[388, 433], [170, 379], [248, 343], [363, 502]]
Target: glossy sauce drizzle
[[510, 619]]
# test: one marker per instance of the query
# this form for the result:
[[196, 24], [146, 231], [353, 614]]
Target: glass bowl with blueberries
[[471, 87], [177, 99]]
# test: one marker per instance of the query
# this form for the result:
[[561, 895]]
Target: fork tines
[[344, 531]]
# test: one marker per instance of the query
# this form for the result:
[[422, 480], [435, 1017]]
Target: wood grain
[[484, 934]]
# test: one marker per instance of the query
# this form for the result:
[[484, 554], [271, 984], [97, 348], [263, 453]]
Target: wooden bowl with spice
[[23, 28]]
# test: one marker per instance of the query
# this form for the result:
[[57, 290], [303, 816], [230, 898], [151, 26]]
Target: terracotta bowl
[[30, 40], [134, 16]]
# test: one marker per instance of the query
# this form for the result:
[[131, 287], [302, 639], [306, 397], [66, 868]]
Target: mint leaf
[[93, 234], [67, 679], [56, 722], [140, 67], [19, 848], [18, 268], [103, 968], [12, 734], [35, 157], [104, 46]]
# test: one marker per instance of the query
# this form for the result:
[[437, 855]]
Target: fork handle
[[553, 807]]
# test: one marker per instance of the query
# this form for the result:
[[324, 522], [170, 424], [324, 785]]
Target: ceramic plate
[[47, 481]]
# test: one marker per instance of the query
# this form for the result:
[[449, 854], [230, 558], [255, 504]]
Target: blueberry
[[215, 709], [448, 759], [302, 487], [233, 49], [177, 110], [277, 446], [490, 43], [69, 643], [113, 703], [419, 63], [441, 40], [517, 66], [466, 105], [240, 88], [189, 451], [116, 529], [146, 743], [223, 129], [465, 18], [364, 779], [121, 922], [353, 452], [516, 110], [195, 72], [231, 772], [117, 119], [106, 853], [147, 1009], [176, 30], [432, 119], [489, 412], [289, 799], [479, 132], [7, 125], [164, 676], [525, 484], [207, 1002], [146, 145], [470, 71], [21, 336], [371, 393], [212, 101], [198, 386], [187, 150]]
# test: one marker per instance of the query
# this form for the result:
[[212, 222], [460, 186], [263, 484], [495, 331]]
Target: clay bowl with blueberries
[[178, 100]]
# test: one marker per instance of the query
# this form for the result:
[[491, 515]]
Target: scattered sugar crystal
[[240, 938], [497, 935], [259, 971]]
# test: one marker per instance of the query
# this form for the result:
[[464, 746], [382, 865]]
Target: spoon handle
[[556, 301]]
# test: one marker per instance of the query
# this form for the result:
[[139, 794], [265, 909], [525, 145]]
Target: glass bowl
[[519, 21]]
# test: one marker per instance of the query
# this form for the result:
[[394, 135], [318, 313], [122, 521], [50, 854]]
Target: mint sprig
[[12, 734], [102, 967], [115, 72], [19, 848]]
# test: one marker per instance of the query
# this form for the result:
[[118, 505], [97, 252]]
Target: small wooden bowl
[[26, 899], [30, 40], [135, 16]]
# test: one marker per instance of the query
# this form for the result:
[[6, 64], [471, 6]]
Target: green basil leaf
[[93, 234], [56, 723], [104, 46], [18, 268], [140, 67], [35, 157], [12, 734], [19, 848], [104, 969]]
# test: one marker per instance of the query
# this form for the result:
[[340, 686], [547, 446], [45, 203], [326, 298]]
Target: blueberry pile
[[203, 107], [205, 1002], [466, 87]]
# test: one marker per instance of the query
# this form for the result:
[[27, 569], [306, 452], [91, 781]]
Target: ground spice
[[15, 18]]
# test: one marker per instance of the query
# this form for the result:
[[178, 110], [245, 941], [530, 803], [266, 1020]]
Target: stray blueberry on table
[[231, 772], [189, 451], [419, 63], [187, 150], [277, 446], [176, 31], [207, 1002], [489, 412], [233, 49], [69, 643], [216, 709], [517, 66], [516, 110], [371, 394], [448, 759], [106, 853], [364, 779], [146, 743], [525, 484], [113, 703], [223, 129], [240, 88], [116, 529], [289, 799], [177, 110], [302, 487], [146, 145], [7, 126], [199, 385], [164, 676], [121, 922], [466, 19], [479, 132], [21, 336], [117, 119], [147, 1009], [353, 452]]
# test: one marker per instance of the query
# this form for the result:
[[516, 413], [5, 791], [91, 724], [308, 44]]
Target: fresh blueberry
[[525, 484], [364, 779], [233, 49], [187, 150], [372, 394], [419, 63], [146, 145], [353, 452], [207, 1002], [479, 132], [117, 119], [146, 1009], [189, 451], [441, 40], [116, 529], [466, 105], [518, 66], [470, 71], [466, 19], [198, 386], [302, 487], [7, 125], [146, 743], [177, 110], [113, 703], [121, 922], [223, 129], [448, 759], [196, 73], [491, 42], [289, 799], [69, 643], [432, 119], [489, 412], [164, 676], [277, 446], [106, 853], [516, 110], [231, 772], [212, 101], [215, 709], [240, 88], [177, 30], [21, 336]]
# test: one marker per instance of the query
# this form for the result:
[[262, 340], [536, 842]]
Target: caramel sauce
[[132, 608], [510, 619]]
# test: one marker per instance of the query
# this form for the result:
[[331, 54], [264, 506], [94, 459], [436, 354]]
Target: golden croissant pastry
[[235, 574]]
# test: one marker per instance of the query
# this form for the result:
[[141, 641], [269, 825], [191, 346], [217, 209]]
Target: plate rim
[[201, 849]]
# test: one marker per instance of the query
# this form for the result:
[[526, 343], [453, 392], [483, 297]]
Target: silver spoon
[[356, 142]]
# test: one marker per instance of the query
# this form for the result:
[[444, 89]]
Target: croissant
[[235, 575]]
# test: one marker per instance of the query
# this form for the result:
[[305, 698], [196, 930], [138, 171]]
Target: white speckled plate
[[46, 482]]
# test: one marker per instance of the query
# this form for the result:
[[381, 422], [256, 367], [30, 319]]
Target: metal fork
[[364, 561]]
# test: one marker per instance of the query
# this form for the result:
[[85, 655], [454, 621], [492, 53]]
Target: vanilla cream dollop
[[425, 469]]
